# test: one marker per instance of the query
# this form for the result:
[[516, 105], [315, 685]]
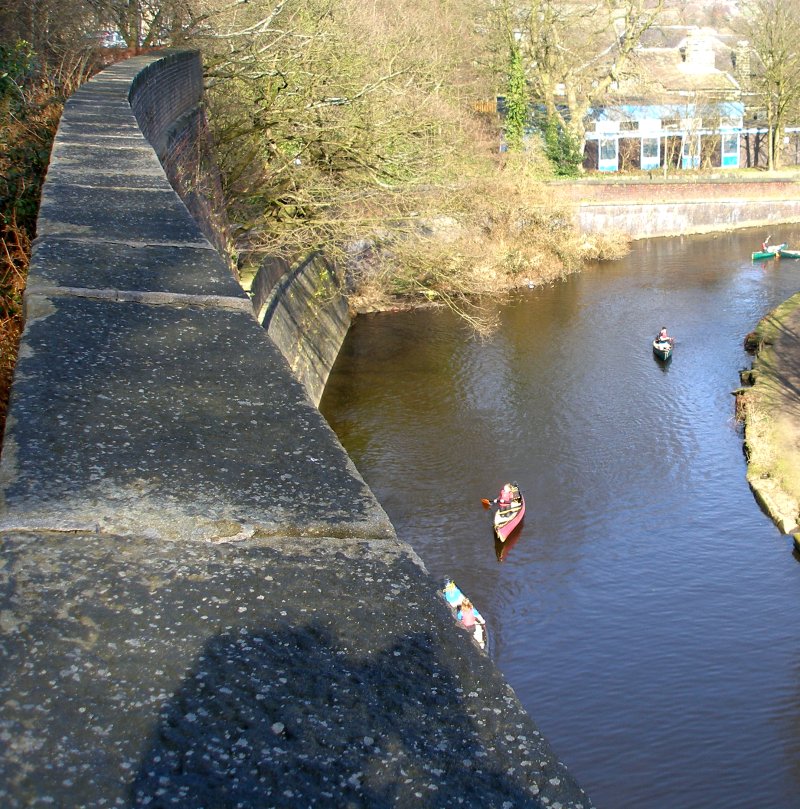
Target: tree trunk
[[778, 145], [770, 141], [576, 127]]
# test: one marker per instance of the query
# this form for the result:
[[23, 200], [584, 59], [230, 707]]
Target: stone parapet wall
[[202, 602], [167, 103], [164, 92]]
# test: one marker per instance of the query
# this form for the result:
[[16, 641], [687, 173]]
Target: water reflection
[[502, 549], [642, 613]]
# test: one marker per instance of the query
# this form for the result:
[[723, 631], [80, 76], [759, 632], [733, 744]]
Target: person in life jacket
[[663, 336], [506, 496], [453, 595], [466, 614]]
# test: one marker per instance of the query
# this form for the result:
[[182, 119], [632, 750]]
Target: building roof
[[676, 36], [688, 67]]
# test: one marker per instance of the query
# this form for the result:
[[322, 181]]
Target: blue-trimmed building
[[680, 104]]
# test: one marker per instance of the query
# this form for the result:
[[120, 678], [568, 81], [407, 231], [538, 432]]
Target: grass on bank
[[773, 464], [489, 235]]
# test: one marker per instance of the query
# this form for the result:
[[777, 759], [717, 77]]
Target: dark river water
[[646, 612]]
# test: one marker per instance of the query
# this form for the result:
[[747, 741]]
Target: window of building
[[690, 153], [608, 154], [651, 153], [730, 150]]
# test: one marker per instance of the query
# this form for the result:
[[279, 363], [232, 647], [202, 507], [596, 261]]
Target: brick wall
[[166, 98]]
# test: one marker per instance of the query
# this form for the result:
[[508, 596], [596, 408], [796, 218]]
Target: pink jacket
[[468, 617]]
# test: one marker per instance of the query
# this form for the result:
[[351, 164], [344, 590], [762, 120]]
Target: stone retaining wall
[[669, 208], [307, 317], [653, 191], [201, 601], [643, 220]]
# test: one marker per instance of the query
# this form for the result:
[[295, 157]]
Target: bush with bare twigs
[[481, 238], [336, 130]]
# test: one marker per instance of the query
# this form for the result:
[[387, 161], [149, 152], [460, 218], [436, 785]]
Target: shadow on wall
[[246, 729], [307, 317]]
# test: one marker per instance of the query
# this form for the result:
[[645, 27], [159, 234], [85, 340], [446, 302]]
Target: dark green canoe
[[662, 349], [770, 252]]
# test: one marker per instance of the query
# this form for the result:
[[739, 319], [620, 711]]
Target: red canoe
[[507, 519]]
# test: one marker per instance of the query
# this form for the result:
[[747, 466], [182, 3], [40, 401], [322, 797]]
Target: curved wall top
[[136, 326], [201, 602]]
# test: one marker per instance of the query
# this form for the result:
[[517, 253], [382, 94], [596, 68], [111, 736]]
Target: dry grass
[[771, 416], [759, 434], [771, 403], [772, 458]]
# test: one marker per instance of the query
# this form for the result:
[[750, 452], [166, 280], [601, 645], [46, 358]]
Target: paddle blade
[[486, 503]]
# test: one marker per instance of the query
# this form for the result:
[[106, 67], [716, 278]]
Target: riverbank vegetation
[[355, 129], [368, 130]]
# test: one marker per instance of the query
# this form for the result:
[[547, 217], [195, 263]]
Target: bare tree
[[49, 26], [331, 118], [771, 26], [575, 51], [144, 23], [67, 26]]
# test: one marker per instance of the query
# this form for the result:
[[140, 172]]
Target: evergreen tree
[[562, 151], [516, 102]]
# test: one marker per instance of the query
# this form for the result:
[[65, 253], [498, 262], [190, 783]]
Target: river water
[[645, 612]]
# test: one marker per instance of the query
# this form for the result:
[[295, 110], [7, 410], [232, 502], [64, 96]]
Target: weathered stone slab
[[107, 116], [85, 126], [91, 264], [102, 164], [104, 100], [116, 214], [142, 672], [170, 421], [114, 81]]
